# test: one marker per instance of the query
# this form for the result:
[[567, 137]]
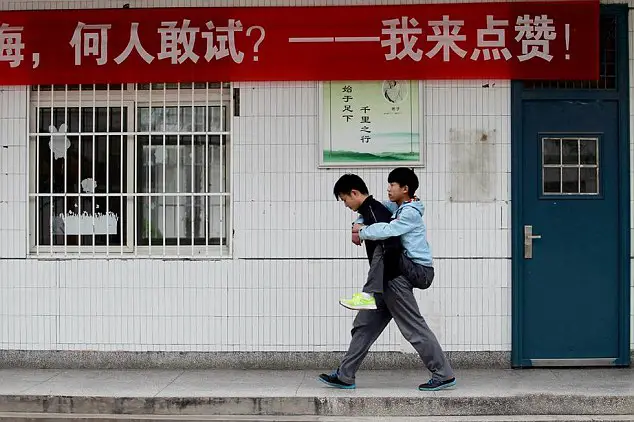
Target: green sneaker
[[359, 302]]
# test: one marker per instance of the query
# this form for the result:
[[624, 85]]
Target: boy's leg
[[367, 327], [373, 286], [400, 300], [420, 276], [374, 283]]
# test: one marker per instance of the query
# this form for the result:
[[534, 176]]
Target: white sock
[[367, 295]]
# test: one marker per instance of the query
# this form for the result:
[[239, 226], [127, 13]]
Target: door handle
[[528, 241]]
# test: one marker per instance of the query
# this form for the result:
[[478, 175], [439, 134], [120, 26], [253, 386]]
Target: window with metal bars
[[130, 170], [608, 53]]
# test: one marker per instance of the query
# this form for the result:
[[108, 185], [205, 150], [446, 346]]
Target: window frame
[[133, 98], [598, 137]]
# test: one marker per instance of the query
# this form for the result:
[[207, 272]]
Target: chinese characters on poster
[[374, 123]]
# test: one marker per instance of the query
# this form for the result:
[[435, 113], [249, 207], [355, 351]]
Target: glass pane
[[217, 119], [172, 122], [87, 118], [165, 120], [98, 87], [59, 118], [71, 123], [116, 162], [197, 85], [217, 179], [151, 223], [61, 151], [551, 151], [588, 153], [192, 168], [199, 119], [552, 180], [154, 158], [165, 216], [589, 178], [570, 151], [184, 218], [182, 163], [570, 180], [142, 119], [74, 223], [200, 217]]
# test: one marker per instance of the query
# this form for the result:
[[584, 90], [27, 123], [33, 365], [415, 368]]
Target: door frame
[[621, 94]]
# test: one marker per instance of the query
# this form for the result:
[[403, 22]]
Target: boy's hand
[[355, 238], [356, 228]]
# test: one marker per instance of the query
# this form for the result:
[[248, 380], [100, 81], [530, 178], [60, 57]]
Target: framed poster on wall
[[370, 124]]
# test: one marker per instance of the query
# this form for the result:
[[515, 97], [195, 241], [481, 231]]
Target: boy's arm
[[407, 221]]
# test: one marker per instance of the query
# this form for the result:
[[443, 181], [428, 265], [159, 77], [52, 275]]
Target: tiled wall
[[292, 258]]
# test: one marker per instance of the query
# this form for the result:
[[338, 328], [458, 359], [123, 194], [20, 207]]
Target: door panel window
[[570, 166]]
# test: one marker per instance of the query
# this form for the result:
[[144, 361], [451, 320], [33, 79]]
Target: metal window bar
[[37, 174], [207, 127], [77, 104], [94, 147], [108, 129], [122, 182], [229, 175], [65, 209], [164, 169], [79, 159], [608, 69], [28, 173], [192, 170], [178, 163], [50, 224], [135, 205], [149, 175], [220, 176]]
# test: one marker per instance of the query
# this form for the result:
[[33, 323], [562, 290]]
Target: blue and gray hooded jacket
[[408, 223]]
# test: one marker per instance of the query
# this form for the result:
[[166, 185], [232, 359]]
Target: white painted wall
[[292, 251]]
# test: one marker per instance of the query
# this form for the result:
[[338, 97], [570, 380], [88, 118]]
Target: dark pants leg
[[420, 276], [374, 283], [367, 327], [400, 300]]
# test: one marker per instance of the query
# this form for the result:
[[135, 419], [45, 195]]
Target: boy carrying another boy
[[384, 255], [397, 299]]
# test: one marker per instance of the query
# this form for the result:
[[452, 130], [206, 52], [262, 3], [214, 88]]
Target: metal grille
[[130, 170], [608, 54]]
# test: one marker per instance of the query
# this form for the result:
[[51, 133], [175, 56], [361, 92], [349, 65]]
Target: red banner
[[528, 40]]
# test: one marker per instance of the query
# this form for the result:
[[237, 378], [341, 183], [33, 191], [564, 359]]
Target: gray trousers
[[396, 302], [374, 283]]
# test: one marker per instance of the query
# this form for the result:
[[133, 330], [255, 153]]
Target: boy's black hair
[[349, 182], [404, 177]]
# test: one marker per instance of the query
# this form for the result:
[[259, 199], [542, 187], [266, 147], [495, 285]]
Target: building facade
[[259, 258]]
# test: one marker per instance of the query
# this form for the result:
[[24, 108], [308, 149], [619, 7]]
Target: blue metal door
[[570, 199], [571, 217]]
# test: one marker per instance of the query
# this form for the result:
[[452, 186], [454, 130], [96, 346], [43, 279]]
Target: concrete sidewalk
[[480, 393]]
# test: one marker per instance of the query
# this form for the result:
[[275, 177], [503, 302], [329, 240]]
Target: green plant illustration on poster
[[367, 123]]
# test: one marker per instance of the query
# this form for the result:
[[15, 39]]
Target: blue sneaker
[[435, 385], [333, 381]]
